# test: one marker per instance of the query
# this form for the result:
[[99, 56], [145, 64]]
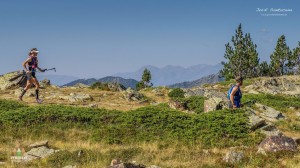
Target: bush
[[147, 124], [100, 85], [176, 93], [196, 104]]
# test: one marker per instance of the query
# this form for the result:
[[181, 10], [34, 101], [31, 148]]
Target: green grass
[[278, 102], [147, 124]]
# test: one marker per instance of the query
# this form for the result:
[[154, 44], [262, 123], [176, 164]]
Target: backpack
[[229, 91]]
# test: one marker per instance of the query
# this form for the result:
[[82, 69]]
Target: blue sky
[[96, 38]]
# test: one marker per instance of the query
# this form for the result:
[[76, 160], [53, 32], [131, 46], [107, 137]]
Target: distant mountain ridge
[[210, 79], [125, 82], [170, 74], [58, 80]]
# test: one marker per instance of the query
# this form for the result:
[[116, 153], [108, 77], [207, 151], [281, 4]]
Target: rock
[[130, 94], [177, 105], [6, 84], [256, 122], [298, 114], [277, 143], [39, 152], [288, 85], [116, 87], [215, 101], [39, 144], [194, 92], [270, 113], [270, 130], [297, 140], [233, 157], [77, 97], [45, 83]]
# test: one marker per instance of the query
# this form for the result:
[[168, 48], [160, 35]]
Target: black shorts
[[31, 75]]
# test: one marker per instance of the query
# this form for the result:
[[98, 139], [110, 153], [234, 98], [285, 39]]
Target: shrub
[[152, 123], [176, 93], [100, 85]]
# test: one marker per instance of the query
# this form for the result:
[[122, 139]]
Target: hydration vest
[[237, 96], [33, 63]]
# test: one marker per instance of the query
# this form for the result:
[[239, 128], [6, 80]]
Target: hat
[[34, 50]]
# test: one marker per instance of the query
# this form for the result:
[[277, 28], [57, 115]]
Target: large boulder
[[6, 84], [269, 113], [39, 152], [277, 143], [215, 100], [256, 122], [288, 85]]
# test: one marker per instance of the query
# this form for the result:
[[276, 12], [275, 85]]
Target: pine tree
[[294, 61], [264, 69], [280, 57], [145, 82], [146, 77], [242, 57]]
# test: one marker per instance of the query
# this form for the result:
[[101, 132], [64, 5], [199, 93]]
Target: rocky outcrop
[[269, 113], [37, 150], [133, 95], [74, 97], [256, 122], [287, 85], [116, 87], [215, 100], [277, 143], [5, 82]]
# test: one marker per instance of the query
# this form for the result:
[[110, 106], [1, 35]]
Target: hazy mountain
[[57, 79], [210, 79], [125, 82], [173, 74]]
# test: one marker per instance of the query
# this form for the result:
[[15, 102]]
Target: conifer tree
[[280, 57], [242, 57], [294, 61]]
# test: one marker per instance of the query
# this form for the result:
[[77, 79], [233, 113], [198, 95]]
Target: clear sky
[[96, 38]]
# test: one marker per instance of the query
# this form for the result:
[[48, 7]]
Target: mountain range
[[170, 74], [125, 82], [210, 79]]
